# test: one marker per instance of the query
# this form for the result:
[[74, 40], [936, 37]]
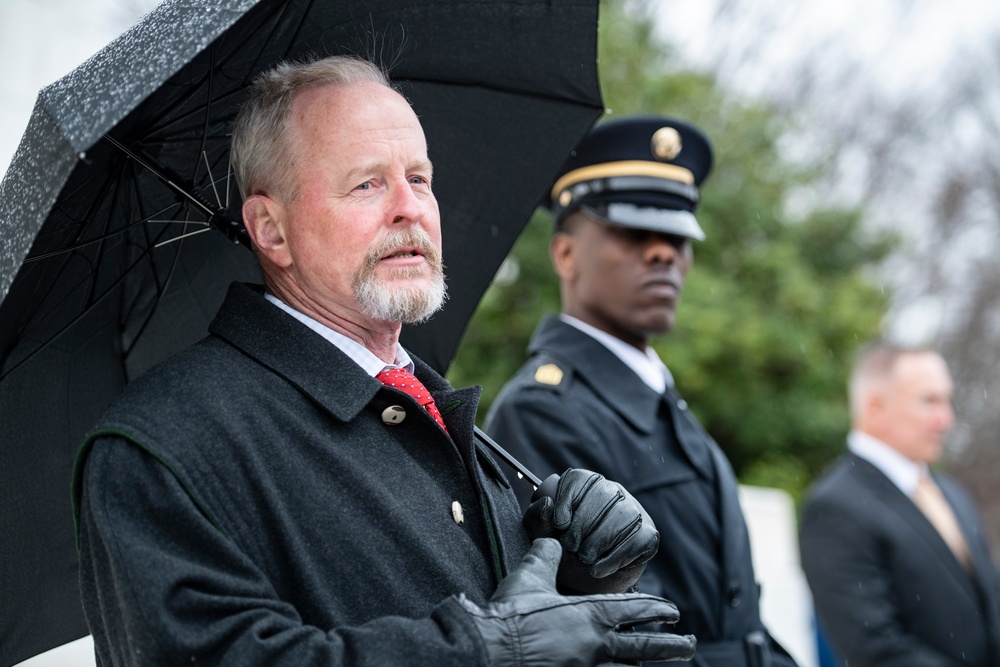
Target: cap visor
[[663, 220]]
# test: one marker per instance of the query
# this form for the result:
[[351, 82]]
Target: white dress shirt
[[360, 354], [647, 365]]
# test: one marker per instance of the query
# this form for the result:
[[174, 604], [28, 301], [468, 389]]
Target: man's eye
[[418, 180], [364, 186]]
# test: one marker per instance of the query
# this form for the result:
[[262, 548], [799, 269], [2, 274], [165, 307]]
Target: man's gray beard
[[408, 305]]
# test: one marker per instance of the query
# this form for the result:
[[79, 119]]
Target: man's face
[[915, 407], [624, 281], [364, 230]]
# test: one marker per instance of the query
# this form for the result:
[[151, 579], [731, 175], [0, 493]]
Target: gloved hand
[[528, 624], [605, 533]]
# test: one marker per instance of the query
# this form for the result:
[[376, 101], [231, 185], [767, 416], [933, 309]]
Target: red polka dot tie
[[407, 382]]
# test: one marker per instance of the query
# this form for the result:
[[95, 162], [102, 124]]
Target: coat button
[[735, 595], [394, 414], [682, 404], [456, 513]]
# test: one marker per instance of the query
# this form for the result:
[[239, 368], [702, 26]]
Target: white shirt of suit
[[901, 471]]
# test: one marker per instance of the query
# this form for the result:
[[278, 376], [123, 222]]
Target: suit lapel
[[984, 578], [902, 506], [967, 521]]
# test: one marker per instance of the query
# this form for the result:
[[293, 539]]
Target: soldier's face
[[624, 281]]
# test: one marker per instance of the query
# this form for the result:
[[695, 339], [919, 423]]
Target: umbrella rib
[[205, 125], [175, 239], [211, 179], [79, 317], [217, 66], [114, 142], [108, 235], [63, 267]]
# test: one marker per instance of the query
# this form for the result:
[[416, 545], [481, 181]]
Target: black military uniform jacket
[[575, 404], [247, 503]]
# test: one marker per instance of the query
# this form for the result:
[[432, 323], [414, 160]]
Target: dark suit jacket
[[888, 591], [602, 417], [245, 503]]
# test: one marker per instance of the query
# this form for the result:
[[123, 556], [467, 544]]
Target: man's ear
[[265, 221], [562, 252]]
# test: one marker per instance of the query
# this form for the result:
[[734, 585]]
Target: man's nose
[[405, 204], [946, 417], [660, 249]]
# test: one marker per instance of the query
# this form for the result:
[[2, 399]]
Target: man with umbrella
[[595, 394], [288, 492]]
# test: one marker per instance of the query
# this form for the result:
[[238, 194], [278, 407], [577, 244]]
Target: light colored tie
[[932, 503]]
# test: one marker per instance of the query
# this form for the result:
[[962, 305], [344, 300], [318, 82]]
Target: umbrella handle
[[547, 488]]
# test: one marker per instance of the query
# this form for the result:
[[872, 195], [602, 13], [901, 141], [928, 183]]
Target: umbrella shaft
[[507, 458]]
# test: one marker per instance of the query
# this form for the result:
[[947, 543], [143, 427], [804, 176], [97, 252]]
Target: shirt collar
[[357, 352], [647, 365], [901, 471]]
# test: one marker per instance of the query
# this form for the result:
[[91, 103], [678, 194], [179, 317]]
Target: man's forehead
[[920, 371], [351, 112]]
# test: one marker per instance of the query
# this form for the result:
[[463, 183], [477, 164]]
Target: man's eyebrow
[[424, 165], [369, 167]]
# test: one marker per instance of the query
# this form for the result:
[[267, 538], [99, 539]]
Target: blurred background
[[856, 193]]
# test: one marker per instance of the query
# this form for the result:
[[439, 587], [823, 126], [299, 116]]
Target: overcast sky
[[905, 44]]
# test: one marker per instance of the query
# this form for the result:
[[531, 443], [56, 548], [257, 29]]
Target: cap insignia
[[549, 374], [666, 143]]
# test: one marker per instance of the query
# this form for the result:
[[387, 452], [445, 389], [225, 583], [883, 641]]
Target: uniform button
[[682, 404], [394, 414], [735, 595], [456, 513]]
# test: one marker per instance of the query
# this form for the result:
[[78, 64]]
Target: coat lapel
[[620, 388], [735, 538], [604, 372], [291, 350]]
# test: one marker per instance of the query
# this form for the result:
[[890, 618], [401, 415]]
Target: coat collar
[[288, 348], [616, 384]]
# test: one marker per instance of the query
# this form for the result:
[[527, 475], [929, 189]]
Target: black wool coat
[[887, 589], [575, 404], [245, 503]]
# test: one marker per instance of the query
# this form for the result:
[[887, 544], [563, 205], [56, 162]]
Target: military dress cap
[[637, 171]]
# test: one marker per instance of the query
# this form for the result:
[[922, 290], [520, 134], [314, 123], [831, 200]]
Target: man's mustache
[[412, 237]]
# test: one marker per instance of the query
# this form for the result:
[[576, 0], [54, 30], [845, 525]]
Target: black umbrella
[[126, 157]]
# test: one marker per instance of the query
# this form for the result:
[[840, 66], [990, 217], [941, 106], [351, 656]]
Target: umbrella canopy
[[127, 156]]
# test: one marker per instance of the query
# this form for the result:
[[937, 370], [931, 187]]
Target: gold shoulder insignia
[[549, 374]]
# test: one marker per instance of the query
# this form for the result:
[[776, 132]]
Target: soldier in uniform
[[595, 395]]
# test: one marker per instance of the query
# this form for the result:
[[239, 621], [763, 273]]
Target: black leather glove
[[528, 624], [606, 534]]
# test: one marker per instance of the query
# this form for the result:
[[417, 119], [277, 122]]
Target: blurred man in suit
[[893, 552]]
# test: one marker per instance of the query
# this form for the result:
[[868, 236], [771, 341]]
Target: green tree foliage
[[776, 304]]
